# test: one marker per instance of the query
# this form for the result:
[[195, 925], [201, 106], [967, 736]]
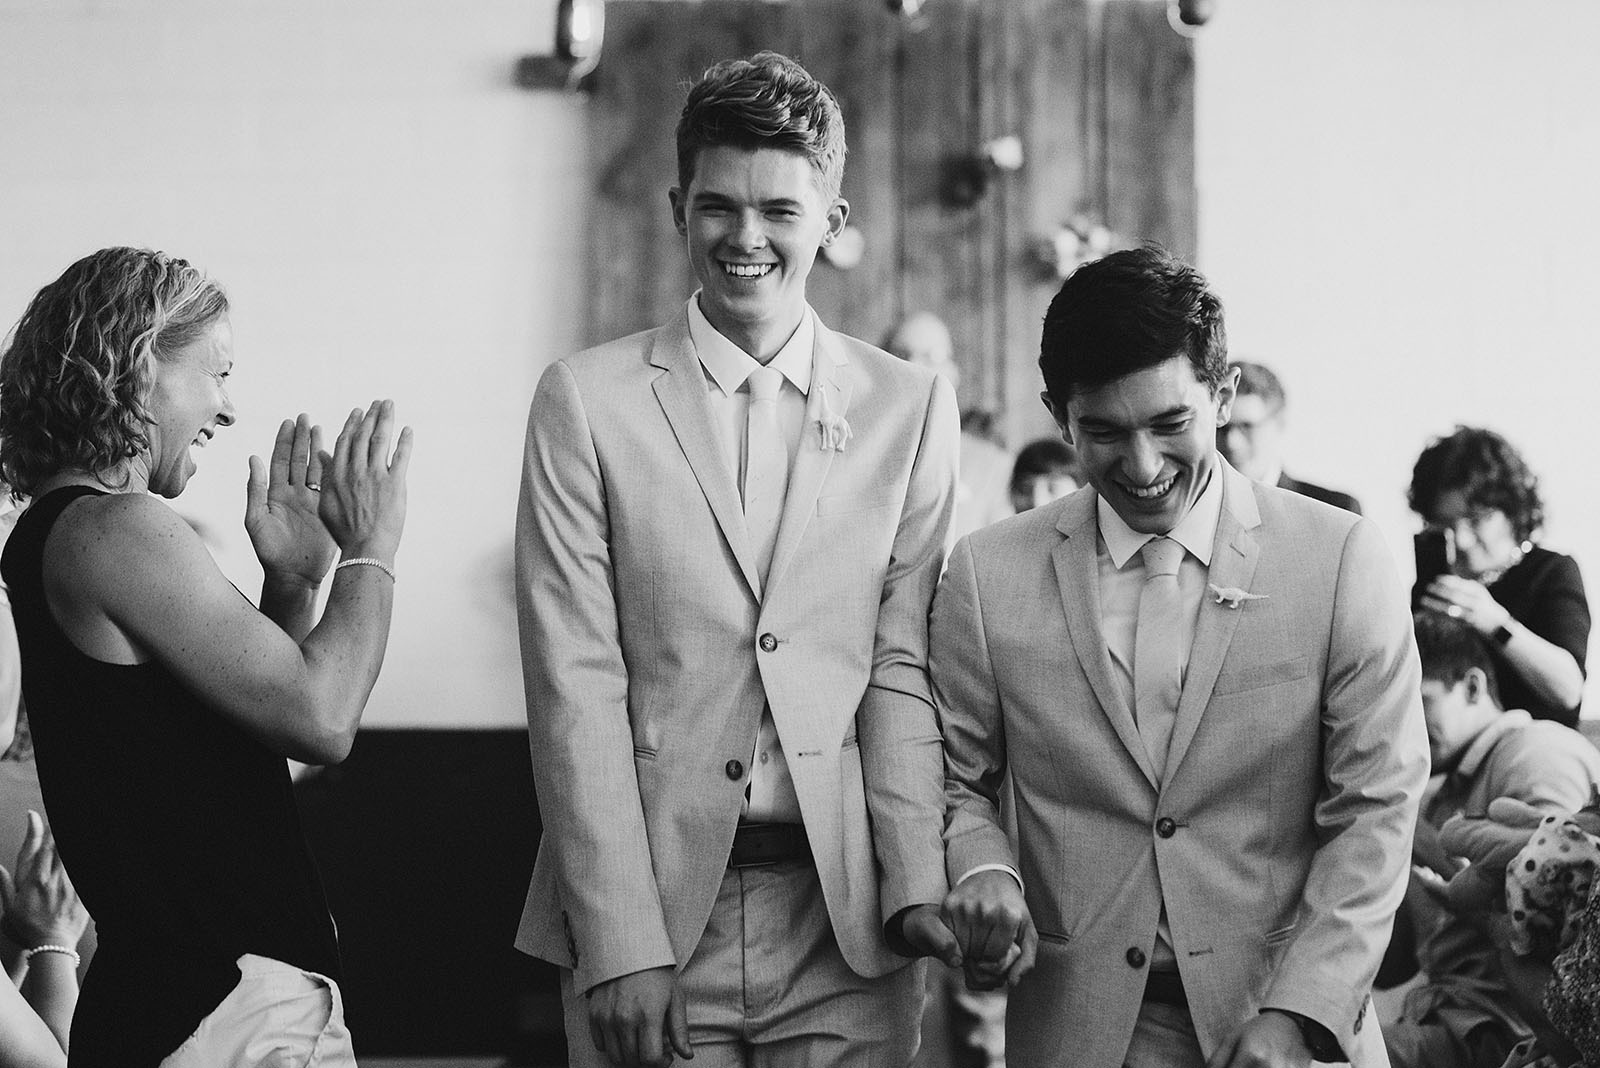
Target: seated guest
[[162, 702], [1252, 439], [1046, 470], [1527, 601], [1558, 995], [1463, 1014], [922, 338], [42, 923]]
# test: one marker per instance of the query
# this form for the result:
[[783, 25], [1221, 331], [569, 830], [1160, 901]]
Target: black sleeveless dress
[[178, 830]]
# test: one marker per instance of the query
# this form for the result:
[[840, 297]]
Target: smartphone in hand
[[1435, 552]]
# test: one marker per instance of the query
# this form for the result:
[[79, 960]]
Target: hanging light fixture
[[580, 35]]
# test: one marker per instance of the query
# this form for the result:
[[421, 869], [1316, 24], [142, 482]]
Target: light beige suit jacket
[[648, 647], [1280, 839]]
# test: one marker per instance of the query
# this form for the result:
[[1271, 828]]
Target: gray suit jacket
[[648, 648], [1280, 840]]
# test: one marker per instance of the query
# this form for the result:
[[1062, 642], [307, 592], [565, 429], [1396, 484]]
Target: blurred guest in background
[[1464, 1014], [1046, 470], [1253, 439], [42, 923], [1554, 985], [162, 702], [1476, 491], [10, 658], [923, 338]]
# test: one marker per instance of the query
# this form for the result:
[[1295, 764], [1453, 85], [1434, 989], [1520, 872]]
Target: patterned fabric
[[1547, 886], [1572, 998]]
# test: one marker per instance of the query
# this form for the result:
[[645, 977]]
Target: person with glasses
[[1477, 492]]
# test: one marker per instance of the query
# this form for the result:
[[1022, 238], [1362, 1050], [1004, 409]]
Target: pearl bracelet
[[67, 951], [372, 561]]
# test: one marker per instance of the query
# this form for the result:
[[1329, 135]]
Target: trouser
[[767, 987]]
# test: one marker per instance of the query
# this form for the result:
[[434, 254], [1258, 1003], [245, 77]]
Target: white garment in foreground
[[277, 1017]]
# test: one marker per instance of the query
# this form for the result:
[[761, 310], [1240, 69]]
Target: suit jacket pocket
[[841, 503], [643, 752], [1259, 675], [1055, 937]]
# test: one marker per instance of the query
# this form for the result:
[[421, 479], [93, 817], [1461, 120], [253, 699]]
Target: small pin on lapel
[[1233, 596]]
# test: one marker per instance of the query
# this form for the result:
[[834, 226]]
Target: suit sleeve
[[1375, 765], [577, 692], [902, 759], [974, 733]]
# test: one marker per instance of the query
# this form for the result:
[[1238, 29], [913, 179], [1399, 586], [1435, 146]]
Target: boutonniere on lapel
[[832, 428], [1233, 596]]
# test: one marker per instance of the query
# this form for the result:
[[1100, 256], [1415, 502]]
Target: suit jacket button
[[1166, 827], [1135, 957], [735, 770], [768, 643]]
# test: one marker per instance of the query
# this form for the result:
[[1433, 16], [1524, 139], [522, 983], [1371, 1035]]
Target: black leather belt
[[1165, 988], [756, 844]]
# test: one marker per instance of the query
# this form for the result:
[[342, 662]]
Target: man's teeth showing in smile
[[1147, 493], [747, 270]]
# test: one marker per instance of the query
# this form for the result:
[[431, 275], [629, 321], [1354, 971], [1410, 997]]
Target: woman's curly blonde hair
[[78, 368]]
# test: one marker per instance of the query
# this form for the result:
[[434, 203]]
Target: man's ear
[[679, 209], [838, 213], [1477, 684], [1058, 414], [1225, 392]]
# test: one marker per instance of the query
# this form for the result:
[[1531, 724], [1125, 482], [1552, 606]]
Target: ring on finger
[[314, 487], [1454, 611]]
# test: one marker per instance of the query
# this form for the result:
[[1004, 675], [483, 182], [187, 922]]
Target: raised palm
[[280, 516]]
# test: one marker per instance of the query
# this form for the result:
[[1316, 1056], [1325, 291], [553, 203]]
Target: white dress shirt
[[770, 797]]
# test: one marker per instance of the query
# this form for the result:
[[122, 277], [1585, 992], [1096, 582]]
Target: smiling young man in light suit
[[1206, 694], [728, 538]]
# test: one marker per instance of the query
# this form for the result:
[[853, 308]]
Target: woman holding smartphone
[[1482, 508]]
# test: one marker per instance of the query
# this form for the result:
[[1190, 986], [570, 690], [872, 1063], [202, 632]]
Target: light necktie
[[766, 466], [770, 793], [1157, 651]]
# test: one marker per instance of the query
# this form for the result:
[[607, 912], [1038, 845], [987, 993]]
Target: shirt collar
[[728, 365], [1196, 531]]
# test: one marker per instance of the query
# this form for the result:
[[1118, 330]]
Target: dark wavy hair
[[78, 367], [1449, 648], [1484, 468], [766, 101], [1128, 311]]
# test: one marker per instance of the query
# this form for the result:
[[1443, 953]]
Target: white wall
[[391, 218], [1396, 202], [1398, 205]]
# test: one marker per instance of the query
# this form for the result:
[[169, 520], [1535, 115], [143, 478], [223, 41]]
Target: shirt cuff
[[1008, 869]]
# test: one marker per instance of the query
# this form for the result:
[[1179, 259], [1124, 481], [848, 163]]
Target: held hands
[[639, 1020], [993, 929], [926, 933], [281, 505], [1467, 600], [1271, 1039], [41, 907]]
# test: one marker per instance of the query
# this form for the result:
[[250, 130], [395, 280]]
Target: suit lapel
[[1078, 574], [829, 378], [1233, 563], [681, 391]]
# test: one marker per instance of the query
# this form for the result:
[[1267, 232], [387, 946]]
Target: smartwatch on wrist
[[1501, 635]]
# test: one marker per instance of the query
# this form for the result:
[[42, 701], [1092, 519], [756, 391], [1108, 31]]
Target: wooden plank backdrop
[[1100, 94]]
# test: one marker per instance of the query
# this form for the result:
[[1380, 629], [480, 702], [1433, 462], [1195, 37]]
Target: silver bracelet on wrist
[[371, 561], [66, 951]]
